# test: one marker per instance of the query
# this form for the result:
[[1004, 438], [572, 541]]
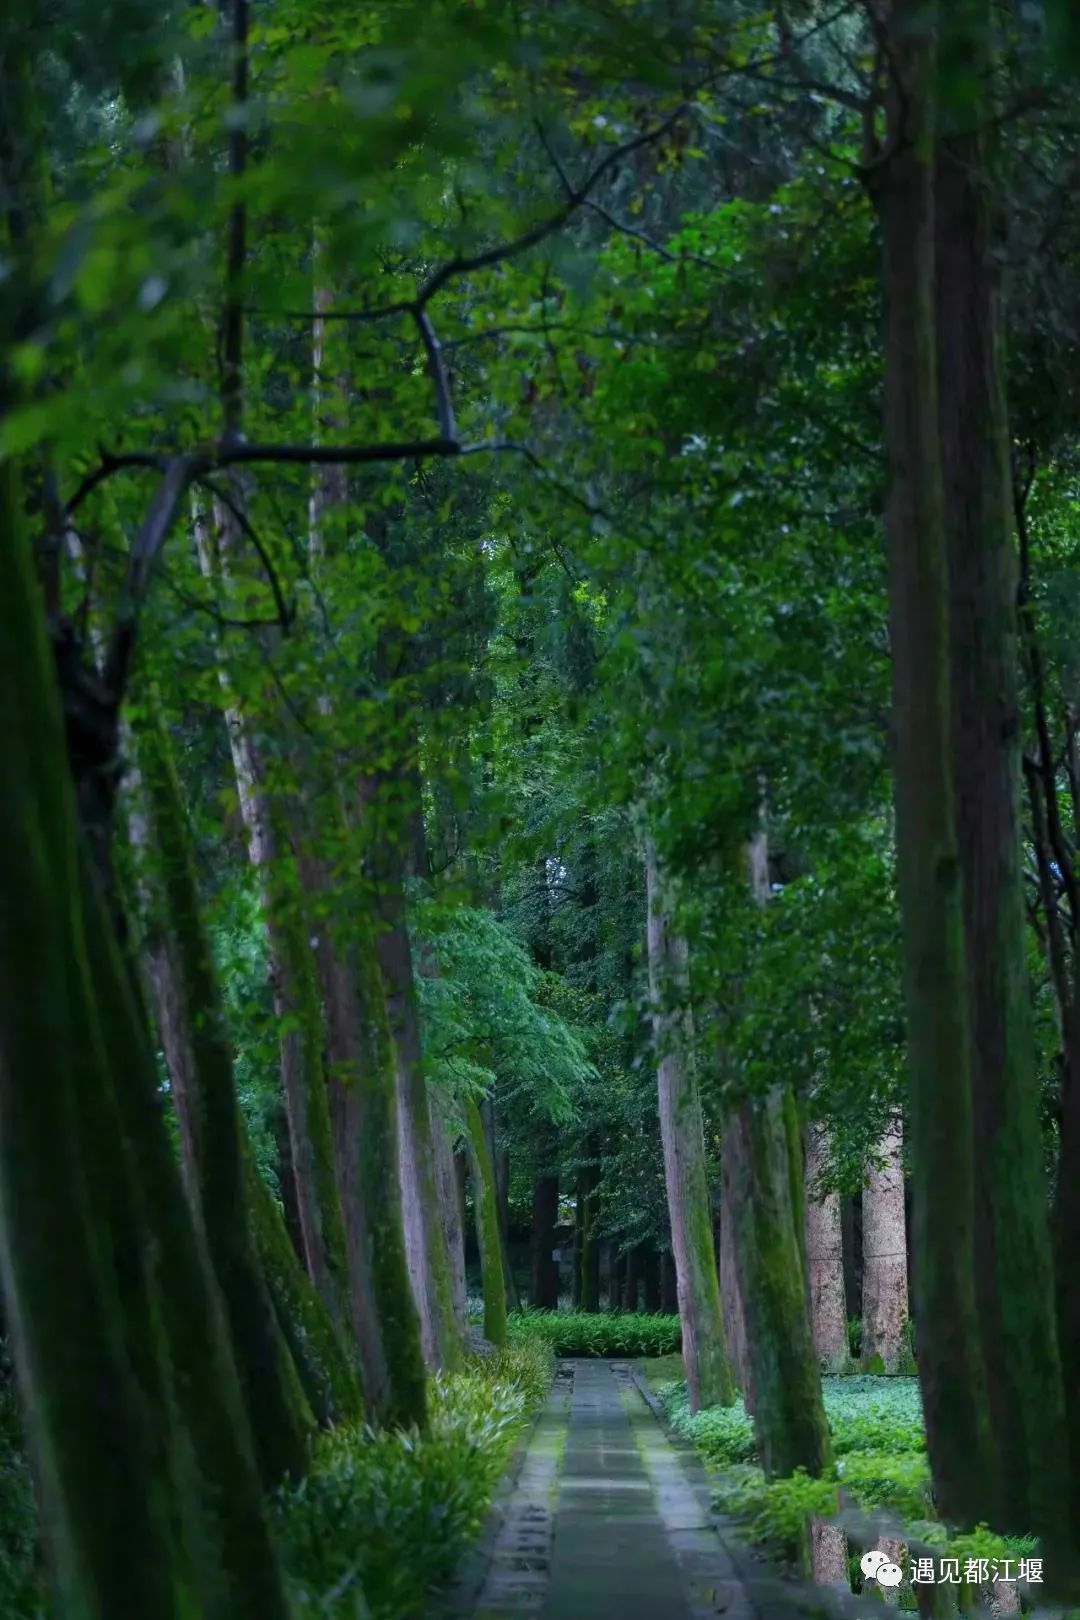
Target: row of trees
[[447, 649]]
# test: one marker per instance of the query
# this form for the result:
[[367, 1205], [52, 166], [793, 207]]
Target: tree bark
[[730, 1288], [450, 1208], [544, 1277], [650, 1278], [1014, 1277], [669, 1284], [588, 1269], [824, 1259], [151, 1498], [631, 1290], [764, 1155], [292, 980], [425, 1238], [928, 866], [485, 1206], [885, 1289], [708, 1375], [193, 1024]]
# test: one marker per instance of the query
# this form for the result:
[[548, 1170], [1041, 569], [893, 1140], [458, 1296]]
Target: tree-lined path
[[604, 1523]]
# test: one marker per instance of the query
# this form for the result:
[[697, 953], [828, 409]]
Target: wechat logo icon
[[877, 1566]]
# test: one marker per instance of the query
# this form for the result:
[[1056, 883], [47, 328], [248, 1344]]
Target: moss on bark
[[789, 1414], [486, 1210], [277, 1408]]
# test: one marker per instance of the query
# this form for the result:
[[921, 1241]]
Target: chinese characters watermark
[[878, 1566]]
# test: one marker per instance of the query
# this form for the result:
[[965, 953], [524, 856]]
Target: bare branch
[[443, 401]]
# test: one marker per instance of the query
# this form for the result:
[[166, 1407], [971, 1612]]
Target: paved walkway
[[604, 1522]]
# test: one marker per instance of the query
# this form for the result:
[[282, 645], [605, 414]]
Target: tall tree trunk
[[669, 1284], [928, 864], [650, 1278], [485, 1207], [616, 1277], [631, 1292], [824, 1259], [361, 1086], [1014, 1278], [708, 1376], [110, 1298], [292, 981], [211, 1131], [544, 1274], [885, 1282], [589, 1243], [425, 1238], [730, 1288], [764, 1157], [450, 1208]]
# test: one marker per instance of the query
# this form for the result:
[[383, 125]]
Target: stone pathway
[[603, 1522]]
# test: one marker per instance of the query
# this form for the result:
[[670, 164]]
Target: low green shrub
[[874, 1414], [876, 1479], [389, 1513], [629, 1334], [723, 1434]]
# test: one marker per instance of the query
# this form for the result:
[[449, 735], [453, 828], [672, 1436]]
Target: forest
[[539, 809]]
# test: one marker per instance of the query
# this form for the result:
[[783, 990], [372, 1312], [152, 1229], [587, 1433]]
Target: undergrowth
[[389, 1514], [602, 1333], [381, 1518], [880, 1463]]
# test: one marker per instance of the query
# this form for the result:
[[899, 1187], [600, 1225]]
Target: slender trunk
[[928, 866], [579, 1222], [500, 1158], [616, 1278], [730, 1288], [1014, 1276], [669, 1284], [631, 1296], [485, 1205], [450, 1209], [650, 1278], [885, 1283], [211, 1130], [589, 1243], [292, 980], [544, 1273], [708, 1376], [824, 1259]]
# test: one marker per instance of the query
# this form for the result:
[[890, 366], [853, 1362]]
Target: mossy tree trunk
[[425, 1238], [211, 1131], [789, 1415], [450, 1204], [1014, 1277], [486, 1211], [292, 975], [763, 1158], [928, 863], [708, 1375], [884, 1270], [150, 1494], [363, 1132], [824, 1258]]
